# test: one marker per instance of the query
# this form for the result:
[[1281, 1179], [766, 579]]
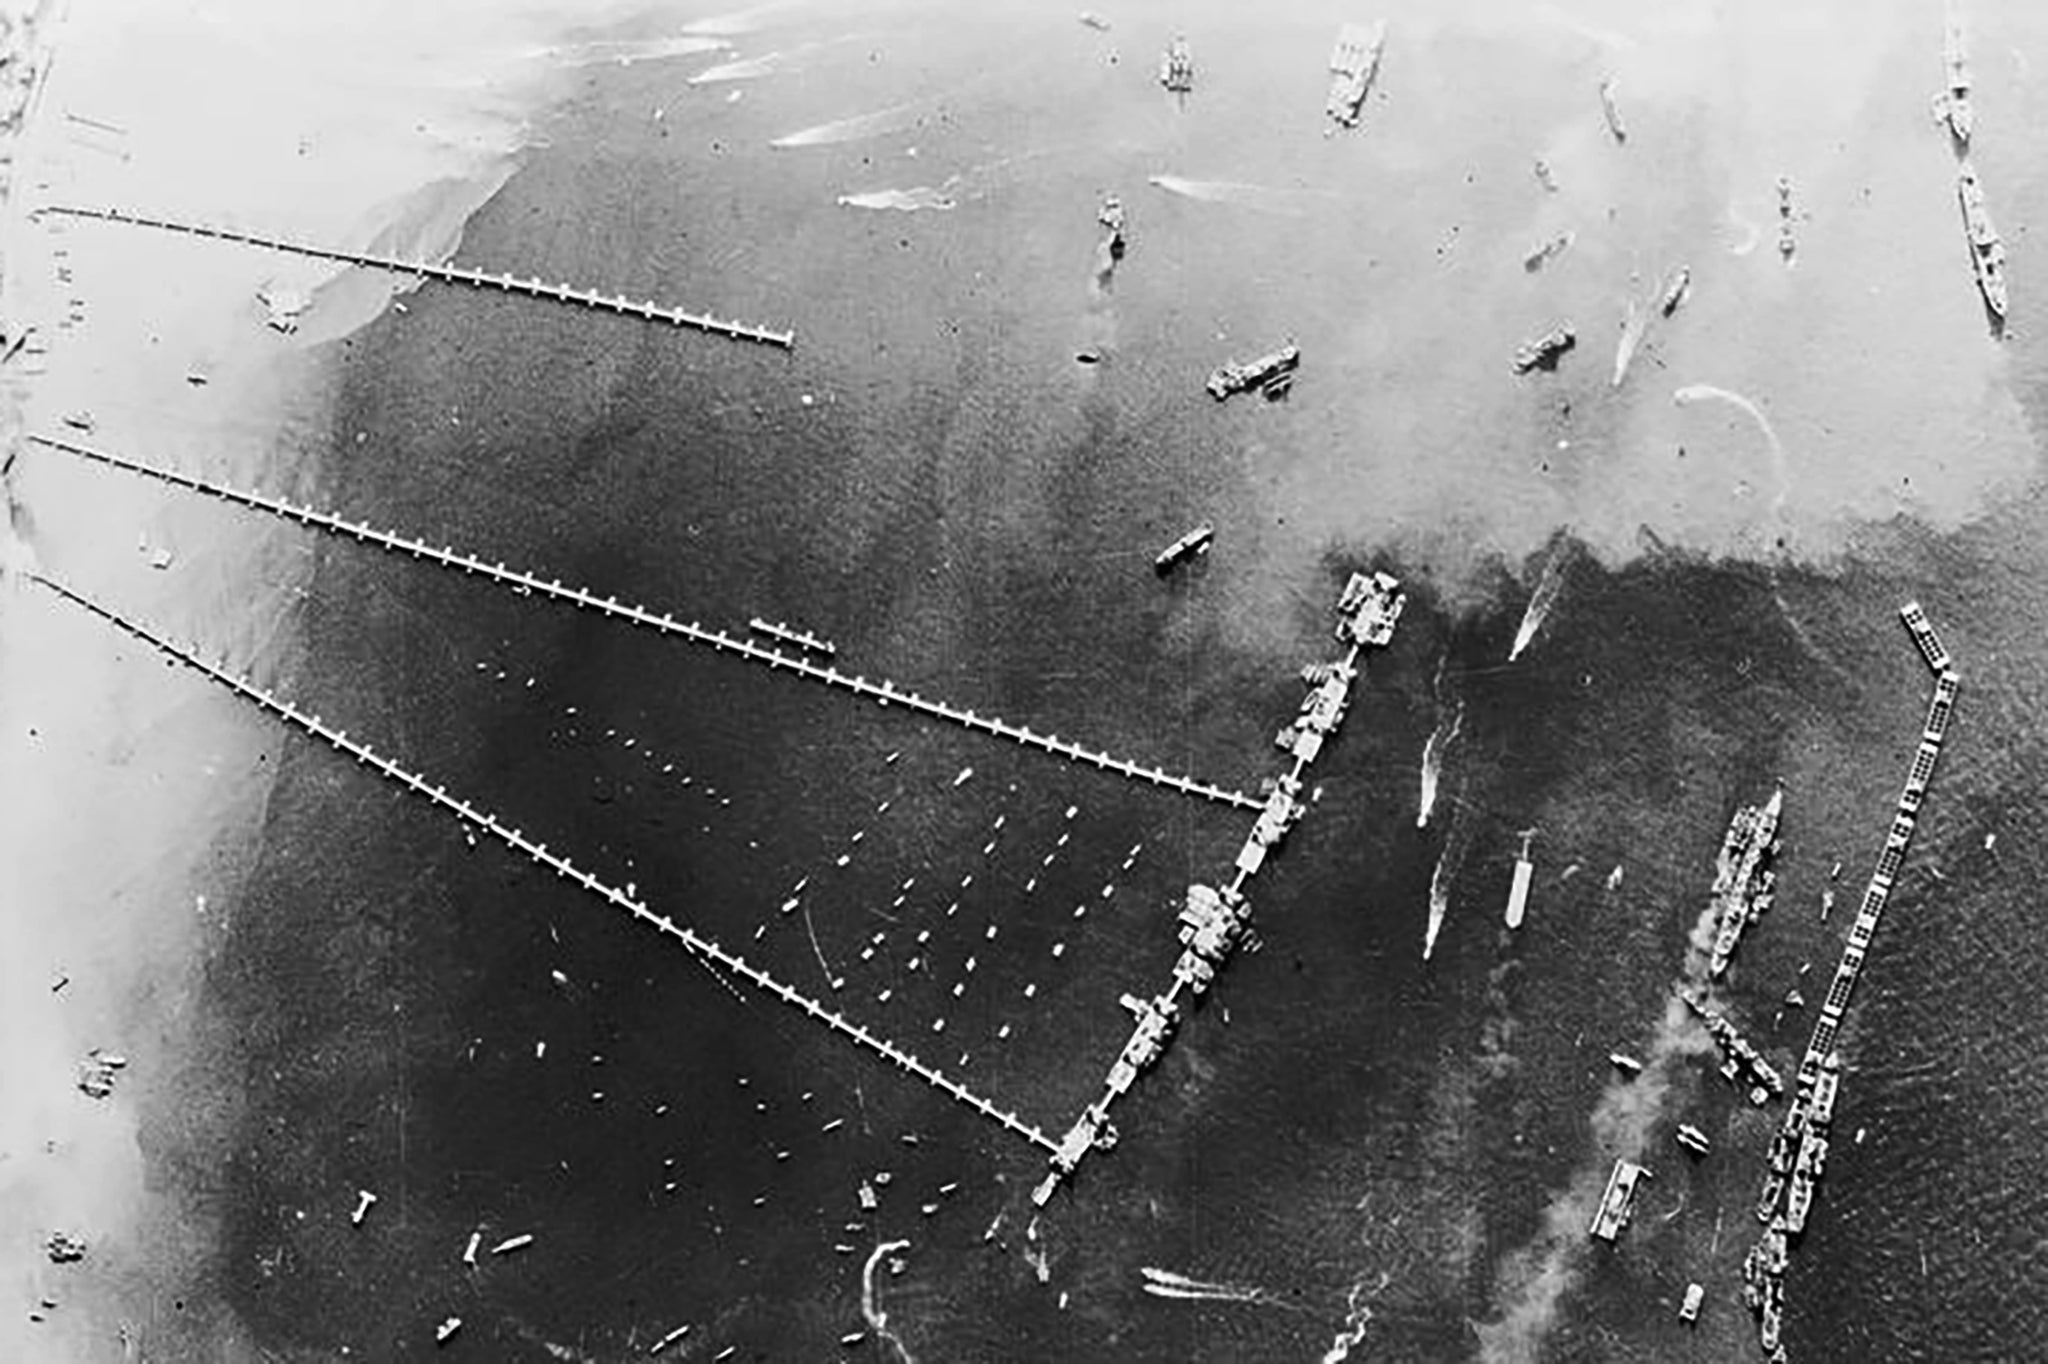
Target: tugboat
[[1987, 251], [1353, 64], [1177, 68], [1195, 542], [1742, 883], [1675, 290], [1269, 371], [1545, 351]]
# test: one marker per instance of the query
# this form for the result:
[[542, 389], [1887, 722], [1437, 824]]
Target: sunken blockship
[[1213, 920]]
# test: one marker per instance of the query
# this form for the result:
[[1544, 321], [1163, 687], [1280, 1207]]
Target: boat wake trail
[[870, 1304], [1433, 761], [1547, 587], [861, 126], [1447, 864], [626, 53], [1534, 1279], [1751, 233], [940, 197], [1693, 393], [1357, 1316], [1634, 320], [1285, 203], [1164, 1283], [746, 69]]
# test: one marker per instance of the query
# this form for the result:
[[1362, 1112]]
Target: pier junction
[[535, 287], [882, 692], [704, 948]]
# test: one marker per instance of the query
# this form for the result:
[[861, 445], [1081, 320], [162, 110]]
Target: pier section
[[882, 692], [705, 949], [1214, 921], [645, 309], [1799, 1148]]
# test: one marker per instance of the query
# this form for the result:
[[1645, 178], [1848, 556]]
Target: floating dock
[[704, 948], [535, 287], [882, 693]]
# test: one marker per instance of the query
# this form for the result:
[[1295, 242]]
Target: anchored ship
[[1268, 372], [803, 639], [1177, 68], [1618, 1201], [1518, 890], [1545, 350], [1353, 65], [1955, 105], [1195, 542], [1742, 884], [1987, 251], [1675, 290]]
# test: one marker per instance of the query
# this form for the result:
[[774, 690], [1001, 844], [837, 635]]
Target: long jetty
[[882, 692], [646, 309], [1804, 1129], [704, 948]]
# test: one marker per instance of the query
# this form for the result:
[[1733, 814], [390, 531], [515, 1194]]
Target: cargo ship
[[1518, 890], [1742, 883], [1955, 105], [1353, 64], [1545, 351], [1194, 543], [1987, 251], [1269, 371], [802, 639], [1618, 1201], [1177, 68]]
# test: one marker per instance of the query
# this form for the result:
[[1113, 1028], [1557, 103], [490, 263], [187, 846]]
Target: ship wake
[[1237, 194], [1433, 761], [1693, 393], [861, 127], [1164, 1283], [1447, 865], [1547, 588]]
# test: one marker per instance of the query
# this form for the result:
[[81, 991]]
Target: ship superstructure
[[1743, 880], [1354, 63]]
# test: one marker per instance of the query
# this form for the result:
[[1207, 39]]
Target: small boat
[[1196, 542], [1626, 1064], [512, 1243], [1518, 889], [1609, 90], [1676, 287], [447, 1329], [1545, 351]]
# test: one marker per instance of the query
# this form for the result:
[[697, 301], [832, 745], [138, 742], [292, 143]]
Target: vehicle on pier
[[1618, 1201], [1191, 545], [1268, 372]]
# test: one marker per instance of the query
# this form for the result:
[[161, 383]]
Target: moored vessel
[[1267, 372], [1353, 64], [1987, 250], [1545, 351]]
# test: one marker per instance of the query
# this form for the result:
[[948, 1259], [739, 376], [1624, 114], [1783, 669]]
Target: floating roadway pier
[[704, 948], [448, 274], [881, 692]]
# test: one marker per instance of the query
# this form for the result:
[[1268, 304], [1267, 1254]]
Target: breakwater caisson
[[883, 693], [1799, 1149], [646, 309], [705, 949]]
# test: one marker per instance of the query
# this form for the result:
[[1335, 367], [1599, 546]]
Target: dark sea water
[[966, 511]]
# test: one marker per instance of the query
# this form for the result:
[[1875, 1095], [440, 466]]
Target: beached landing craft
[[1353, 64]]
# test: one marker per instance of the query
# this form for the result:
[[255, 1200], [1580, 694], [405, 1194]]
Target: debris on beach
[[65, 1248], [364, 1198], [282, 308]]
